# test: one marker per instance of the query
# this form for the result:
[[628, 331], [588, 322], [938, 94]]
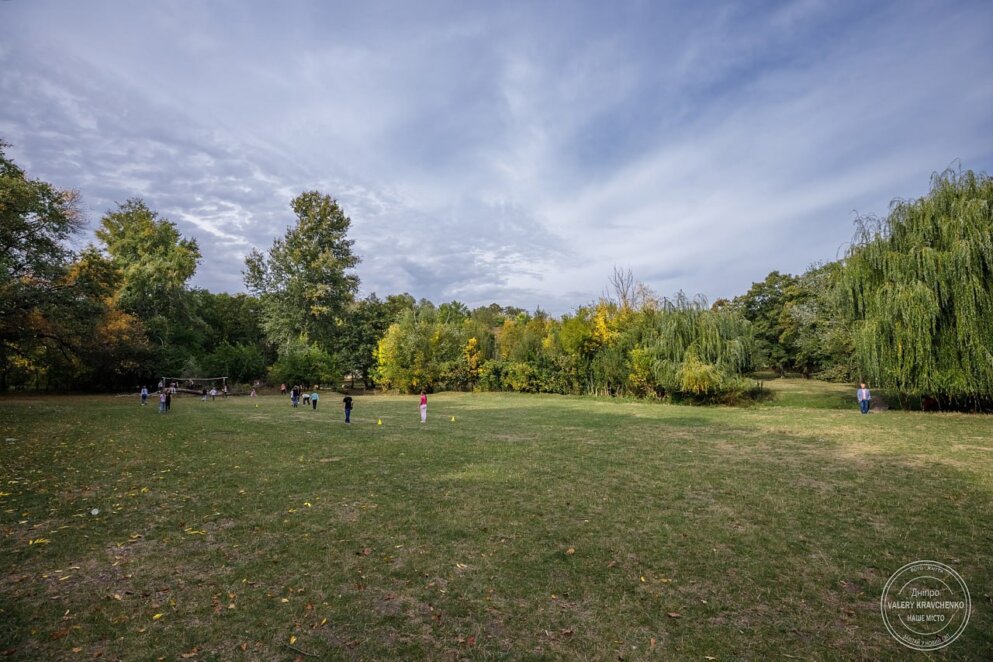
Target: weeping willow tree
[[687, 348], [917, 289]]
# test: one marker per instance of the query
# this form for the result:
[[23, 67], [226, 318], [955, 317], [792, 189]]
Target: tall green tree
[[763, 306], [917, 288], [306, 281], [114, 351], [155, 260], [367, 321], [815, 336], [156, 263], [36, 222]]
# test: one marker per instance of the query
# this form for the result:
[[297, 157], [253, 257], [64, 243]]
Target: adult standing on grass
[[348, 408], [168, 402], [424, 407], [864, 397]]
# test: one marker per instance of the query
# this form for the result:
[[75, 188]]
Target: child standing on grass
[[313, 400], [424, 407], [162, 398], [864, 398], [144, 396], [348, 408]]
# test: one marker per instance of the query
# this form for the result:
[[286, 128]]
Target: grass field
[[528, 527]]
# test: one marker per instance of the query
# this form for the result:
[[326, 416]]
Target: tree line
[[908, 307]]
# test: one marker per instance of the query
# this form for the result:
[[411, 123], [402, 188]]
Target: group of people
[[213, 393], [165, 398], [298, 396]]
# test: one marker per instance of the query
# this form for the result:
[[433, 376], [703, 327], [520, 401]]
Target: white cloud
[[512, 153]]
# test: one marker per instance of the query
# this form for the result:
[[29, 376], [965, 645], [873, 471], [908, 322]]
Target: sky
[[510, 152]]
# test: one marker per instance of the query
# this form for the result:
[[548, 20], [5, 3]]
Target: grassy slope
[[532, 526]]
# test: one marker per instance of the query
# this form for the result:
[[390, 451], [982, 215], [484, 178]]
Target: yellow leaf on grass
[[156, 617], [307, 503], [293, 639]]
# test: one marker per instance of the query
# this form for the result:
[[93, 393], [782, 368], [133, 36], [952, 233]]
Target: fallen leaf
[[293, 639], [156, 617], [470, 640], [674, 614], [570, 551], [652, 642]]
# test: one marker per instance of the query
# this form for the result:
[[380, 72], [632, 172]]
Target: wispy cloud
[[510, 153]]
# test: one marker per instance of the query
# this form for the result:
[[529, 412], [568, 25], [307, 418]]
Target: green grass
[[530, 527]]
